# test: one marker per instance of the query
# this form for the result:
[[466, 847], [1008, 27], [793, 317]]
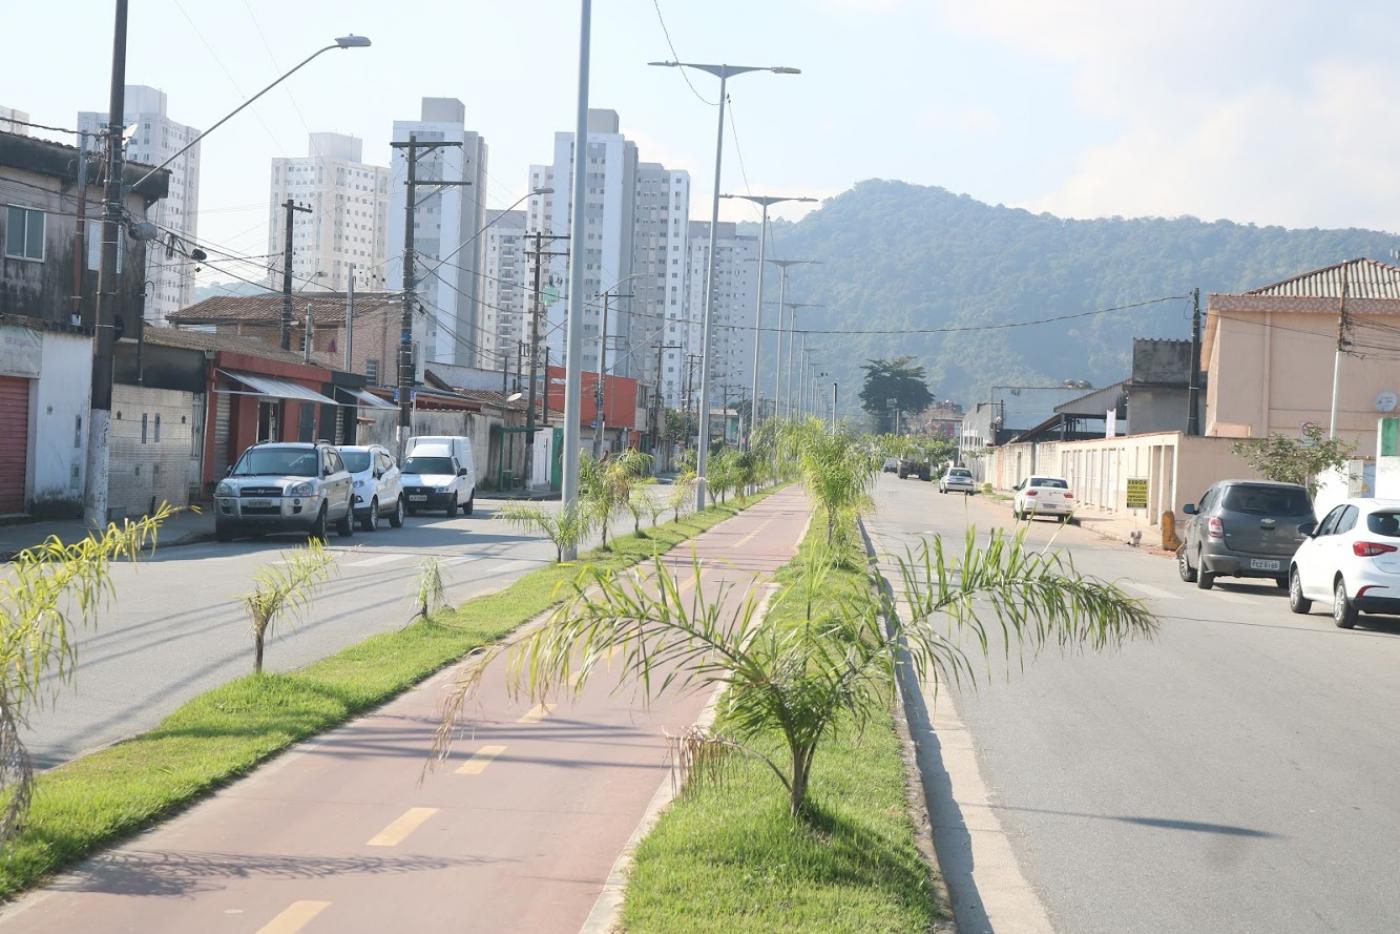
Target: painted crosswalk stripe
[[399, 830], [377, 559], [536, 713], [294, 917], [480, 760], [1156, 593]]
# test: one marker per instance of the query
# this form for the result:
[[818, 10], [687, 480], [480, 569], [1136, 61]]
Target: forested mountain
[[896, 255]]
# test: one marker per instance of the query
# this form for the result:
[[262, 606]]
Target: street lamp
[[765, 201], [343, 42], [783, 266], [723, 73], [793, 308]]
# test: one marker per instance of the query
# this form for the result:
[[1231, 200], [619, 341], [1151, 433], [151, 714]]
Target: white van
[[439, 473]]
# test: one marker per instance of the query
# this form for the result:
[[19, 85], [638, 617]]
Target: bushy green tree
[[1299, 460]]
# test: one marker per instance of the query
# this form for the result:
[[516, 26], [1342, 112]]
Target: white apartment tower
[[447, 222], [13, 121], [155, 138], [736, 293], [661, 255], [607, 249], [349, 221], [506, 289]]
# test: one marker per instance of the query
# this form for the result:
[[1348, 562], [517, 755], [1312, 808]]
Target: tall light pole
[[573, 328], [793, 308], [778, 381], [765, 201], [723, 73]]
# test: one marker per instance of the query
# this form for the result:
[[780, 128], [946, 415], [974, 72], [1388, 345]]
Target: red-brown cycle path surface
[[517, 831]]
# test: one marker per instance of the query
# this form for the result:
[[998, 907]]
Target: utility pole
[[410, 297], [1342, 344], [544, 406], [80, 230], [660, 405], [291, 208], [538, 253], [350, 321], [309, 336], [601, 382], [792, 349], [1193, 392], [109, 293], [833, 403]]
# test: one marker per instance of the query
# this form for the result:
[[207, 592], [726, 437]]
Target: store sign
[[1137, 492]]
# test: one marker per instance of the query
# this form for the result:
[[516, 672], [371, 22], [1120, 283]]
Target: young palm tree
[[286, 587], [682, 494], [838, 472], [799, 678], [429, 592], [565, 528], [47, 594]]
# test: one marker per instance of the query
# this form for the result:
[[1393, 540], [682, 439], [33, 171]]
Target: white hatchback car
[[1040, 495], [1351, 560], [957, 480], [378, 486]]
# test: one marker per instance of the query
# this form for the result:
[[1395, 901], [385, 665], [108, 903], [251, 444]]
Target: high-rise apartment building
[[349, 221], [607, 248], [13, 121], [736, 292], [153, 138], [661, 256], [506, 290], [447, 223]]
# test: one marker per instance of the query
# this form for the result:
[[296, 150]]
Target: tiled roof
[[327, 308], [1364, 278], [205, 340]]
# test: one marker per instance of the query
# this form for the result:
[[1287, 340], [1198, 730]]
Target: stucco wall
[[151, 447], [58, 424]]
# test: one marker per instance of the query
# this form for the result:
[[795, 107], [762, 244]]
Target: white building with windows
[[736, 294], [153, 138], [447, 223], [349, 221], [506, 295], [661, 257], [13, 121]]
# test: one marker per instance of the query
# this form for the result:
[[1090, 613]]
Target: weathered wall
[[151, 446], [58, 424]]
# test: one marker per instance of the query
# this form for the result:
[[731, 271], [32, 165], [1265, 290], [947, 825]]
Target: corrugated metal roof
[[1364, 278], [326, 307], [205, 340]]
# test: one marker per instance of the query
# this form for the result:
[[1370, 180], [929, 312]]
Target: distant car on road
[[957, 480], [1244, 528], [1352, 560], [891, 465], [1042, 495], [375, 477], [909, 467], [285, 486]]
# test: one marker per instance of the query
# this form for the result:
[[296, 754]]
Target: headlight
[[445, 489], [224, 489], [359, 483], [301, 489]]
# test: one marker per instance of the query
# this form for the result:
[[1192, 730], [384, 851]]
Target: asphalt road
[[517, 831], [178, 627], [1237, 774]]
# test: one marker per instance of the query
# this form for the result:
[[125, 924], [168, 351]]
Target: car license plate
[[258, 503], [1264, 564], [418, 499]]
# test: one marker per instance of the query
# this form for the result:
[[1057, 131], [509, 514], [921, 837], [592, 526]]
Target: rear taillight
[[1030, 493], [1215, 528], [1371, 549], [1069, 496]]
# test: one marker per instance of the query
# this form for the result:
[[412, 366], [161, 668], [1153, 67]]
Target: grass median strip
[[224, 733], [729, 856]]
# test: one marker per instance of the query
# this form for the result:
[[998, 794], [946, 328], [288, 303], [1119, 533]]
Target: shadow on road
[[1161, 823]]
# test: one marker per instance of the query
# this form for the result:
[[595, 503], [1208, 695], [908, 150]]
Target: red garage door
[[14, 453]]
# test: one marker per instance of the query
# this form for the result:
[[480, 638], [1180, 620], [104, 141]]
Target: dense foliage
[[1296, 460], [894, 385]]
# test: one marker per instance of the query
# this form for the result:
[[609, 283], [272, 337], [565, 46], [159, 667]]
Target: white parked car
[[1040, 495], [439, 473], [957, 480], [1351, 560], [377, 484]]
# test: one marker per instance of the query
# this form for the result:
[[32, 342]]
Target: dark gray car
[[1244, 528]]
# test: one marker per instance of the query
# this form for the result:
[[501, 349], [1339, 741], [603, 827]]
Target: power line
[[38, 126], [676, 56]]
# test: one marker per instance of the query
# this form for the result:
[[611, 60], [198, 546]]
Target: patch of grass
[[224, 733], [728, 856]]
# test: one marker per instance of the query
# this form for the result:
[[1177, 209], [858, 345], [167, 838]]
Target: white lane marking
[[1147, 590], [377, 559], [1235, 598]]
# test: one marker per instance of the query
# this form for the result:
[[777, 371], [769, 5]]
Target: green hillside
[[896, 255]]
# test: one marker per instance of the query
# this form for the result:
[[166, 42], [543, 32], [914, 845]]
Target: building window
[[157, 428], [24, 234], [144, 418], [372, 371]]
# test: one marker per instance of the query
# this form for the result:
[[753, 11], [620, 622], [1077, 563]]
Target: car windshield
[[355, 461], [276, 462], [1384, 523], [1267, 501], [428, 465], [959, 473], [1053, 482]]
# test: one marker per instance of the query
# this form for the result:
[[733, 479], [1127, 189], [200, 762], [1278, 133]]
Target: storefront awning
[[367, 399], [276, 388]]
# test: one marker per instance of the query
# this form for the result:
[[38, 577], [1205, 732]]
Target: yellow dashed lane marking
[[293, 918], [752, 535], [399, 830], [480, 760], [536, 713]]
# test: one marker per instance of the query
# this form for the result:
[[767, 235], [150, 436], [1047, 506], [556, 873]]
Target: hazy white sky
[[1271, 112]]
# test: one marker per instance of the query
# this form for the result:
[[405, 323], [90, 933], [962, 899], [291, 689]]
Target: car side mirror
[[1308, 528], [229, 472], [1189, 509], [325, 471], [462, 472]]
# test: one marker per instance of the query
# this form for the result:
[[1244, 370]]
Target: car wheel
[[223, 533], [1205, 580], [1184, 568], [1296, 601], [345, 525], [396, 517], [1343, 610], [318, 531], [471, 504], [452, 506], [370, 522]]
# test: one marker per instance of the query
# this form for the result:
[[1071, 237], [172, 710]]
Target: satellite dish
[[1386, 401]]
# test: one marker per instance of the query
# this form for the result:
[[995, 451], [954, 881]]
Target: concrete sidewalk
[[183, 528], [1113, 526]]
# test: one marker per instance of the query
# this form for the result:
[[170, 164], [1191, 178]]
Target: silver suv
[[285, 487], [1244, 528]]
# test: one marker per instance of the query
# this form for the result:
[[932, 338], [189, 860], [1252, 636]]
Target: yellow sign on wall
[[1137, 492]]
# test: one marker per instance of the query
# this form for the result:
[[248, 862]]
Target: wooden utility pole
[[290, 209]]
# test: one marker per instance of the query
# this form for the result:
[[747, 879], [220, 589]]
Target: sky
[[1271, 113]]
